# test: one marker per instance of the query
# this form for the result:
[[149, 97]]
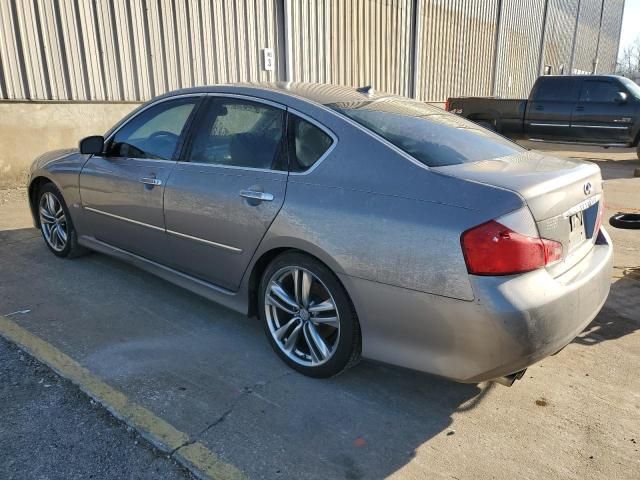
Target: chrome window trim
[[206, 242], [326, 130], [124, 219], [233, 167], [538, 124]]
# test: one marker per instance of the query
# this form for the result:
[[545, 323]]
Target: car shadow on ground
[[615, 169], [192, 362], [620, 315]]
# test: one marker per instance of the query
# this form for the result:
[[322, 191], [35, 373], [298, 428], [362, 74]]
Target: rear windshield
[[429, 134]]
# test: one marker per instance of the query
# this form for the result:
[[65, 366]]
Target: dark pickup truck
[[591, 109]]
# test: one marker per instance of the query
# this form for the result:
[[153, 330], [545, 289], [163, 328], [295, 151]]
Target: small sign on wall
[[268, 59]]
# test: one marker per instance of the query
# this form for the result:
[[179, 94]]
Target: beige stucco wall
[[28, 129]]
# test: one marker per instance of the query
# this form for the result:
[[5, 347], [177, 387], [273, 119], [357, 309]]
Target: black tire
[[71, 248], [627, 221], [348, 347]]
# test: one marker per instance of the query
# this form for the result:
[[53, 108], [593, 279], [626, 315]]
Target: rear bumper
[[513, 322]]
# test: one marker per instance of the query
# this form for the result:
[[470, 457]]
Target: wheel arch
[[267, 256], [34, 187]]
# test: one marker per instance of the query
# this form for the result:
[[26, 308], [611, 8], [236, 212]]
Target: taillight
[[447, 105], [495, 249]]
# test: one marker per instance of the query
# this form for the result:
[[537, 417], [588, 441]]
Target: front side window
[[155, 132], [308, 144], [556, 89], [429, 134], [598, 91], [239, 133]]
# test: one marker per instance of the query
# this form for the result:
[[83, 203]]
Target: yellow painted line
[[195, 456]]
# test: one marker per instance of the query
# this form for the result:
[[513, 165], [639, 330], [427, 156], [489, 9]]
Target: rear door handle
[[260, 196], [150, 181], [539, 107]]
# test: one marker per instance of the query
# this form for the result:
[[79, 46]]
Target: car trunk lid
[[563, 195]]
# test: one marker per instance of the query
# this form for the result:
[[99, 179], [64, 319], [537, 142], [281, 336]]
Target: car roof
[[323, 94]]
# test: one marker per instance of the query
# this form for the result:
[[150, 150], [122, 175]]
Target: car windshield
[[632, 86], [429, 134]]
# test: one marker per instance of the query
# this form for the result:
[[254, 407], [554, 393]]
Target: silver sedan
[[351, 223]]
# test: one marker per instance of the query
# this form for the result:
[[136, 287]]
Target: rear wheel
[[308, 317], [55, 223]]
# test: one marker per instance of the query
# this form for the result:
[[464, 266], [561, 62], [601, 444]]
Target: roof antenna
[[368, 90]]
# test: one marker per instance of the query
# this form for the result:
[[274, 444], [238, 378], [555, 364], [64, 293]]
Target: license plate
[[577, 233]]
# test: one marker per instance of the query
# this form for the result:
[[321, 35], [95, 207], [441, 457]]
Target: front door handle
[[259, 196], [579, 109], [151, 181], [539, 107]]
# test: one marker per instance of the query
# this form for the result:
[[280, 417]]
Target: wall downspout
[[288, 42], [494, 75], [417, 46]]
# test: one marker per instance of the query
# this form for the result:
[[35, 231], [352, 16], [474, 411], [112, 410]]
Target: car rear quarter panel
[[370, 212]]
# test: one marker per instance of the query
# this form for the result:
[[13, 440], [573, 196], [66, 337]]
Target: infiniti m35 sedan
[[352, 223]]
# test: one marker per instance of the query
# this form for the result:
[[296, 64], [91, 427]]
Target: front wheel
[[55, 223], [308, 317]]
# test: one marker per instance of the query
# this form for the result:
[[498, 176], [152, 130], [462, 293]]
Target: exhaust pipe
[[508, 380]]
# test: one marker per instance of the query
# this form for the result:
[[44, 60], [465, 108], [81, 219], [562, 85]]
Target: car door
[[548, 115], [599, 116], [227, 189], [122, 189]]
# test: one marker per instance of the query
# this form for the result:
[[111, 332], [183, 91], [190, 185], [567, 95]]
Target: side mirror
[[93, 145], [620, 98]]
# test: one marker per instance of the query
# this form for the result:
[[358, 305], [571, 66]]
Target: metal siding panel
[[561, 16], [587, 36], [519, 39], [610, 35], [353, 42], [456, 48]]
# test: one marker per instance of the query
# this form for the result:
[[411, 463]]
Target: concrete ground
[[202, 382]]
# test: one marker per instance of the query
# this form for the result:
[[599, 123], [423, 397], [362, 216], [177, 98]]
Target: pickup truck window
[[599, 91], [430, 135], [556, 89]]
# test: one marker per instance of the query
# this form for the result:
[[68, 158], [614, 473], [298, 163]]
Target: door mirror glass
[[93, 145], [620, 97]]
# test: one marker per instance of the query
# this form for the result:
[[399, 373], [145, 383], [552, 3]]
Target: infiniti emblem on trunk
[[587, 188]]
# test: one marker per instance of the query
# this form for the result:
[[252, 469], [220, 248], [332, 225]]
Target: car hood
[[52, 156]]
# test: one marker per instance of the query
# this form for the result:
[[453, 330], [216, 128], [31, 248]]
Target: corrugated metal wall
[[456, 48], [587, 36], [133, 49], [353, 42], [558, 35], [610, 35], [519, 40]]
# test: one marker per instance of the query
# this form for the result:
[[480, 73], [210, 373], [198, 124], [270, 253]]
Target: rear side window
[[556, 89], [308, 143], [429, 134], [598, 91], [239, 133]]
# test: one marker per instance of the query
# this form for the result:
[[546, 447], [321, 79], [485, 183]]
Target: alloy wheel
[[302, 316], [53, 222]]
